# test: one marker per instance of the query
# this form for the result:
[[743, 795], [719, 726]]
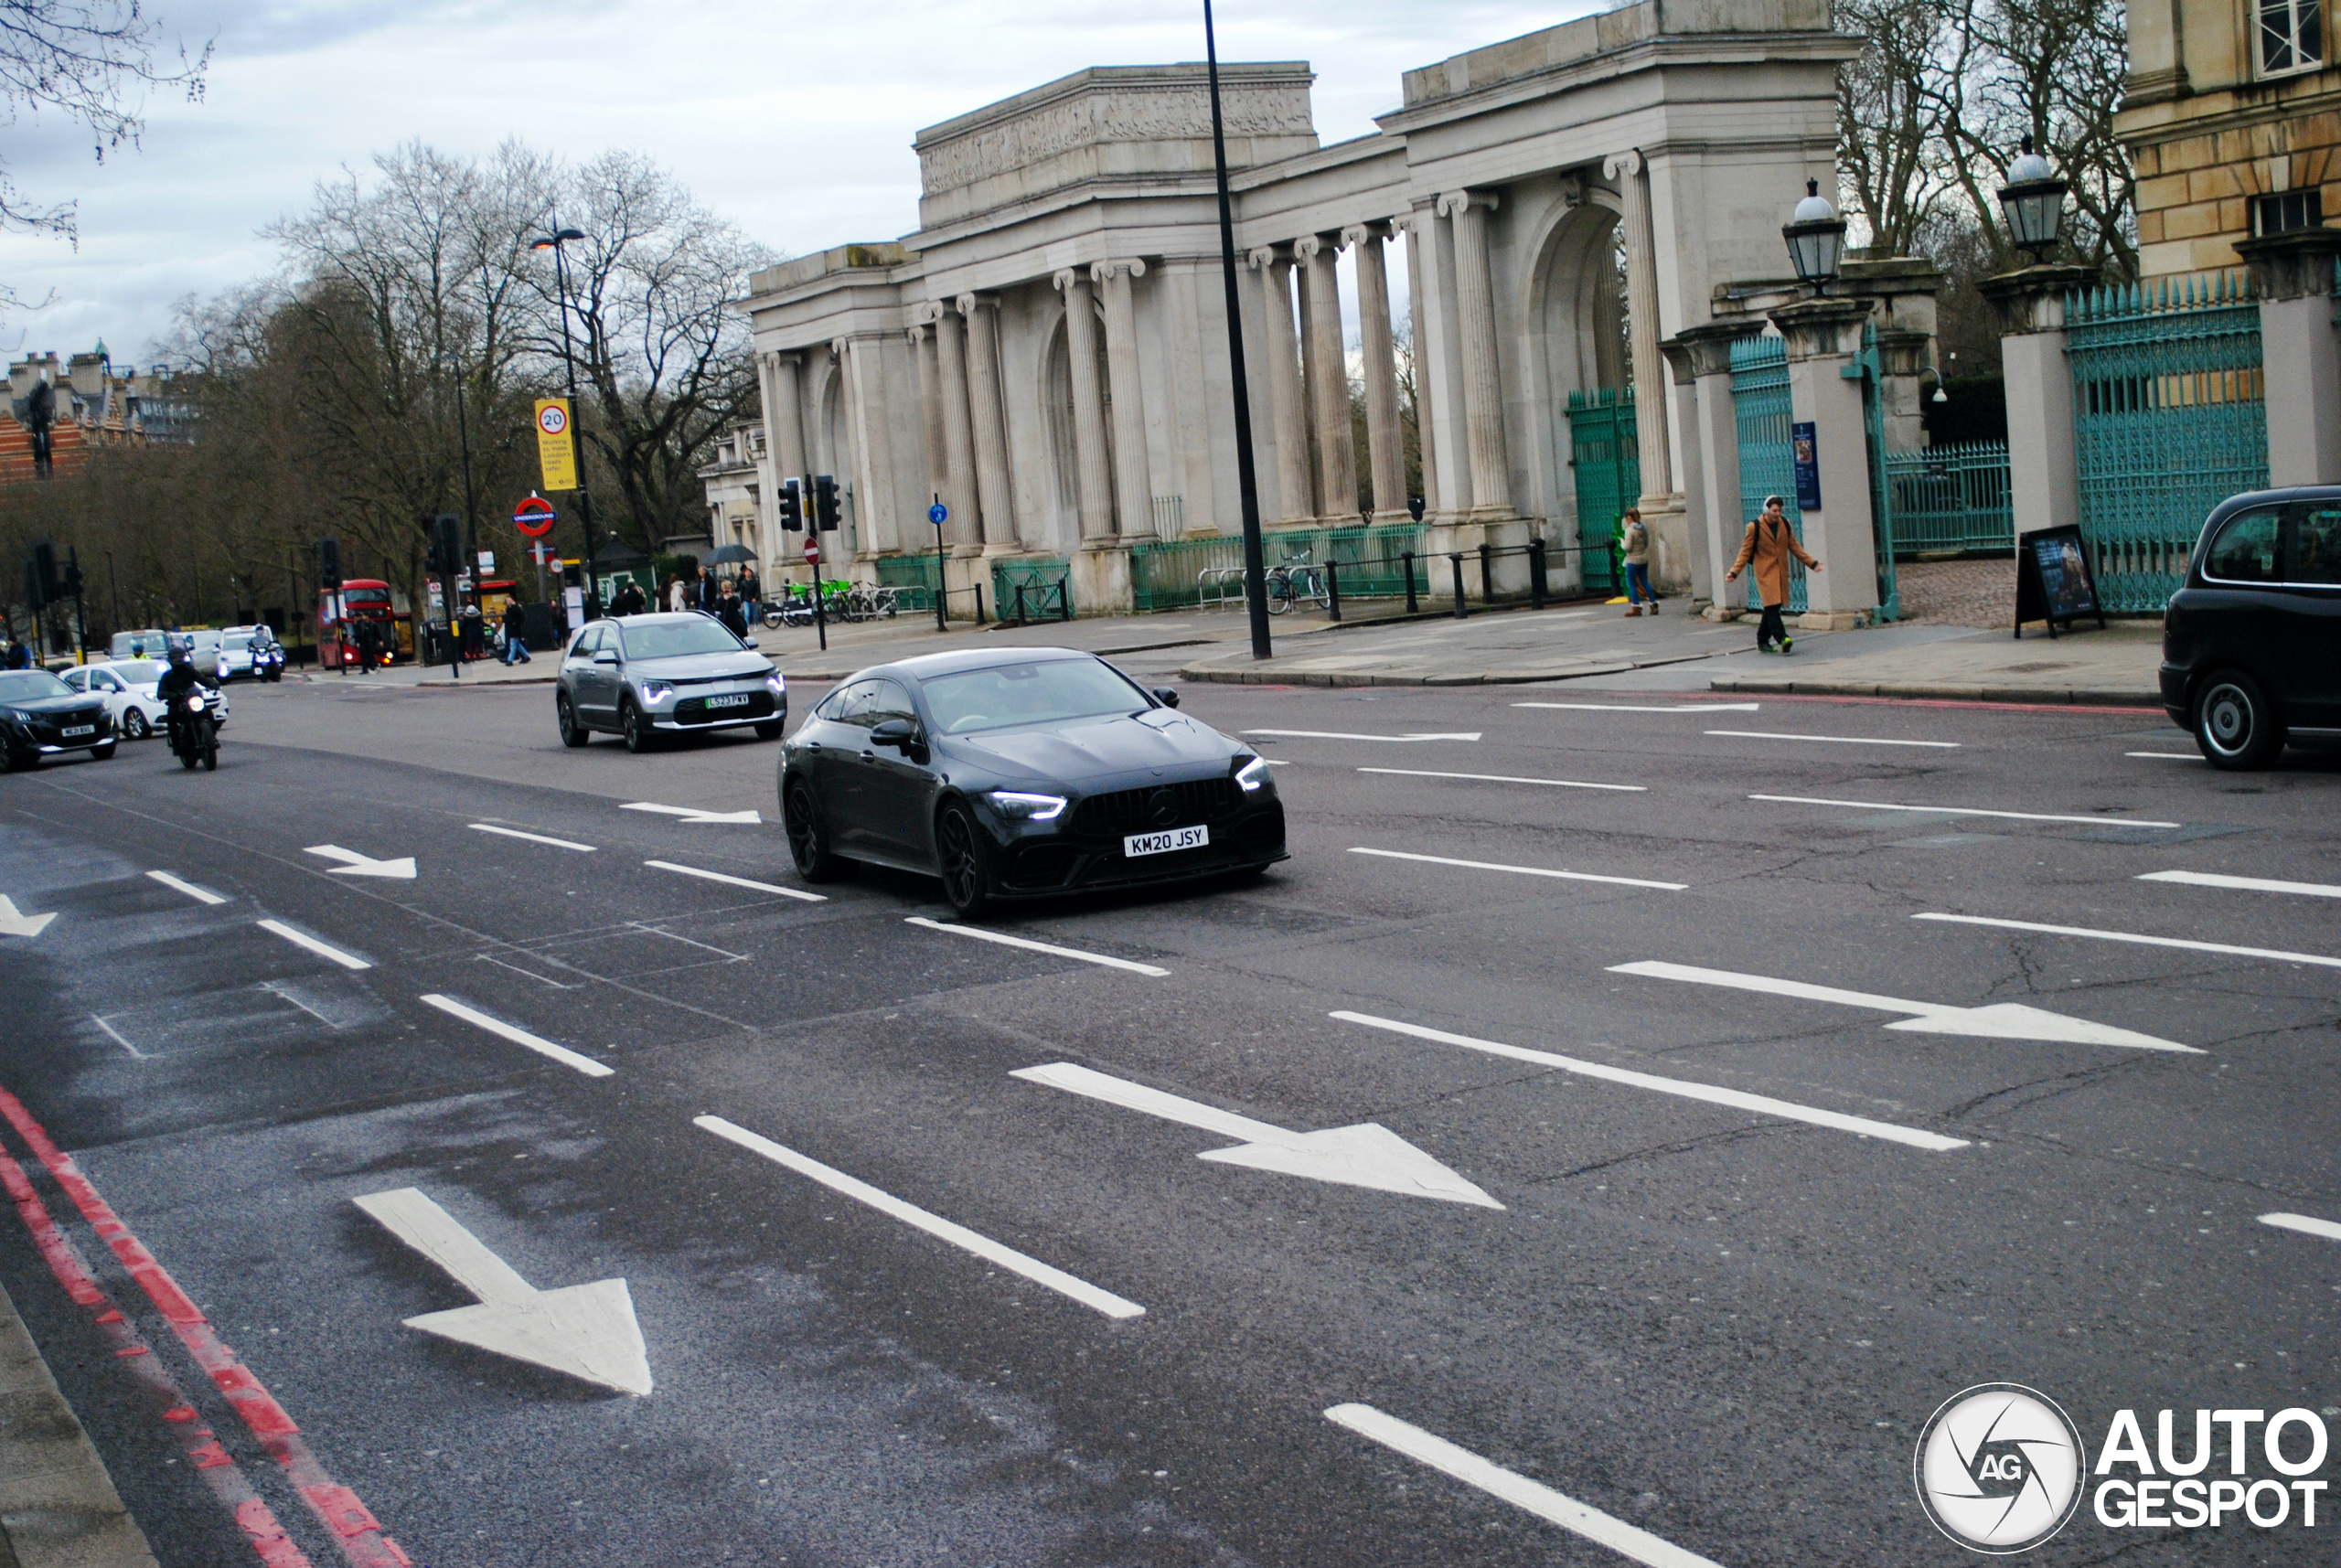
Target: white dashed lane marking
[[1523, 870]]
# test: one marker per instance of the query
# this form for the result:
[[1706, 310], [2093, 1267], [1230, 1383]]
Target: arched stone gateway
[[1048, 349]]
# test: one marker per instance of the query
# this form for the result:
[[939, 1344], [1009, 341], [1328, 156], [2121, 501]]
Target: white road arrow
[[2000, 1020], [357, 865], [585, 1330], [1367, 1155], [691, 813], [14, 924], [1338, 735]]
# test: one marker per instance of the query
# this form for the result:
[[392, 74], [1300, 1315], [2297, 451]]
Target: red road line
[[220, 1472], [355, 1530]]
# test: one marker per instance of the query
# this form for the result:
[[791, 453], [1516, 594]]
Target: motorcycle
[[195, 730], [267, 663]]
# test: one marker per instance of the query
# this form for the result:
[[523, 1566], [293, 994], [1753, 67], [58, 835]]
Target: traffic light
[[447, 544], [73, 573], [825, 501], [792, 507], [45, 568], [33, 597], [328, 563]]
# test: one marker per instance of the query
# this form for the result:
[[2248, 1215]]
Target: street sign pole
[[813, 559], [1248, 485], [939, 514]]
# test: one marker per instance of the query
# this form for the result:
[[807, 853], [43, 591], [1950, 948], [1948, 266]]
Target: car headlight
[[657, 691], [1252, 775], [1019, 807], [776, 683]]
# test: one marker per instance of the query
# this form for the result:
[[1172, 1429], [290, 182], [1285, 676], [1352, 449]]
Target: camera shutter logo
[[1999, 1467]]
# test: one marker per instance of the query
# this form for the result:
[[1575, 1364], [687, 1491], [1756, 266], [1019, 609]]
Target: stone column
[[1384, 441], [2044, 472], [966, 527], [930, 396], [783, 415], [1329, 383], [1095, 479], [990, 420], [851, 496], [2300, 354], [1683, 562], [1824, 335], [1284, 389], [1131, 471], [1711, 458], [1421, 230], [1633, 179], [1482, 391]]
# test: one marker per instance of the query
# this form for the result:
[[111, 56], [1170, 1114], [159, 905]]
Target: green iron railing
[[1168, 575], [921, 574], [1947, 499], [1759, 397], [1607, 460], [1164, 573], [1039, 576], [2169, 419]]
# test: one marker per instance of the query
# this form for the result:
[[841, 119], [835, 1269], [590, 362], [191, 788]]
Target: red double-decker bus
[[368, 599]]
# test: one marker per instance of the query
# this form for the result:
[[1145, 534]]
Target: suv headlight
[[776, 683], [1252, 775], [657, 690], [1020, 807]]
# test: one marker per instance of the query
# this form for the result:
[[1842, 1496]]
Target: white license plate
[[1139, 843], [72, 730], [737, 699]]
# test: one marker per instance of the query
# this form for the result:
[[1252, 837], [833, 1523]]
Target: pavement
[[58, 1505], [1816, 1059]]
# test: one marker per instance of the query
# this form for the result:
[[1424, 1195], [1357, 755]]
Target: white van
[[142, 645]]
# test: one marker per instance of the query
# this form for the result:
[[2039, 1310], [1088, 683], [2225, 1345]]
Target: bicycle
[[1294, 581]]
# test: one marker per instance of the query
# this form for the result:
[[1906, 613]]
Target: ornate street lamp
[[1816, 238], [2033, 203]]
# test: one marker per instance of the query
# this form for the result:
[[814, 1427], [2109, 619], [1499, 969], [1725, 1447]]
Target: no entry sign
[[812, 548], [534, 516]]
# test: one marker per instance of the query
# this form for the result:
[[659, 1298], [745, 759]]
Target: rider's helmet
[[179, 650]]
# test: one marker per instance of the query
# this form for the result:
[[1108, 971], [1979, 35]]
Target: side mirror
[[1166, 696], [897, 732], [607, 655]]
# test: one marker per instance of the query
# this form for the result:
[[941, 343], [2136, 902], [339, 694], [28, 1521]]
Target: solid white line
[[561, 1053], [2276, 954], [1628, 708], [302, 939], [2246, 884], [1833, 739], [532, 837], [1344, 735], [1523, 870], [2168, 756], [934, 1225], [1968, 811], [1130, 1096], [116, 1035], [1763, 1104], [1529, 1497], [1007, 941], [1502, 778], [740, 882], [203, 895], [2304, 1225]]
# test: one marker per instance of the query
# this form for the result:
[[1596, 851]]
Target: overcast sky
[[792, 119]]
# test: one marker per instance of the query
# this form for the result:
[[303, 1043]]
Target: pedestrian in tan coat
[[1770, 543]]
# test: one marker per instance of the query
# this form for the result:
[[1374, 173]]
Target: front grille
[[695, 711], [1132, 810]]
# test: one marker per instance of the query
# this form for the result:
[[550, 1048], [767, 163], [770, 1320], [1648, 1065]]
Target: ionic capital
[[1105, 271], [928, 312], [1456, 201], [839, 346], [1360, 233], [1306, 247], [1262, 256], [970, 303], [1622, 165]]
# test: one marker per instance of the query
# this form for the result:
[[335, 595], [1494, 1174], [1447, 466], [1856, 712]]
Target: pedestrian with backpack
[[1633, 544], [1767, 546]]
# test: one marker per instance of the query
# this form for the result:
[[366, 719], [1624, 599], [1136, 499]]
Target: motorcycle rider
[[176, 682]]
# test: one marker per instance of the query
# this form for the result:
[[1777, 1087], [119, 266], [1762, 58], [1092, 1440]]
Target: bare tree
[[1895, 156]]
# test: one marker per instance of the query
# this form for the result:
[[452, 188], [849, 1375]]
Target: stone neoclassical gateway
[[1048, 352]]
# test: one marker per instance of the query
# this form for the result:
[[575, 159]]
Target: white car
[[236, 650], [128, 688]]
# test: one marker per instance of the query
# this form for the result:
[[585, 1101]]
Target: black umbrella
[[727, 554]]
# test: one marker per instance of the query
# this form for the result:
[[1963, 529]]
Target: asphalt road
[[1721, 1322]]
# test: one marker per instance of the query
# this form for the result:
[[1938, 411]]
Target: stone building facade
[[93, 404], [1047, 353], [2232, 116]]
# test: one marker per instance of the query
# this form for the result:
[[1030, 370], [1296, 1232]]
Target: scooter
[[195, 730]]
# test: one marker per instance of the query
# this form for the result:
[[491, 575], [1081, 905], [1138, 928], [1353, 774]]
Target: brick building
[[95, 405]]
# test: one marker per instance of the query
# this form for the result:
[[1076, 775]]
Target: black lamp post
[[455, 368], [2032, 204], [553, 242], [1816, 238], [1248, 483]]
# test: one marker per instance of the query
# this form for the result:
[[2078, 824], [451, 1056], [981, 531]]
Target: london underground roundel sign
[[534, 516]]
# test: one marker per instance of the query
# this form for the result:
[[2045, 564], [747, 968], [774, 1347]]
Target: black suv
[[2251, 643]]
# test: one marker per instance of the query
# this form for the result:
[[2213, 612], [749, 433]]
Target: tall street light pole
[[471, 506], [553, 242], [1248, 478]]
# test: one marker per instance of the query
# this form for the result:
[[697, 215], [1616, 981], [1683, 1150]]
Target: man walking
[[516, 635], [1770, 543], [1633, 543]]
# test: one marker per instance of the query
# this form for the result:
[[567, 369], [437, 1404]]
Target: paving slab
[[58, 1505]]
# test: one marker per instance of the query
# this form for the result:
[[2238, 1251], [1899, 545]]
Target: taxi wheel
[[2235, 724]]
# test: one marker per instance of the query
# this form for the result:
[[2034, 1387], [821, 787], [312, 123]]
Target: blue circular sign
[[938, 514]]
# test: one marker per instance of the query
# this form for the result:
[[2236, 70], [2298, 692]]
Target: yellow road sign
[[556, 444]]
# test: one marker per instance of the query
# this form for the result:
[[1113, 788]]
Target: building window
[[2287, 210], [2292, 35]]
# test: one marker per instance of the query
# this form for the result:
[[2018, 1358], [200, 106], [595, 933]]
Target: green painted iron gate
[[1759, 399], [1608, 472]]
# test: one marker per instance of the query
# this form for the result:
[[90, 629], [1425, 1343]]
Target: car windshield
[[238, 643], [1037, 693], [678, 639], [138, 672], [31, 685]]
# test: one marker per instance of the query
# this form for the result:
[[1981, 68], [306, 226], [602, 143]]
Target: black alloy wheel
[[809, 843], [134, 726], [2235, 724], [964, 856], [13, 760], [639, 736], [572, 733]]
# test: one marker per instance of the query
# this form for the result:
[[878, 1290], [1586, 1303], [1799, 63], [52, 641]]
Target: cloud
[[794, 119]]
